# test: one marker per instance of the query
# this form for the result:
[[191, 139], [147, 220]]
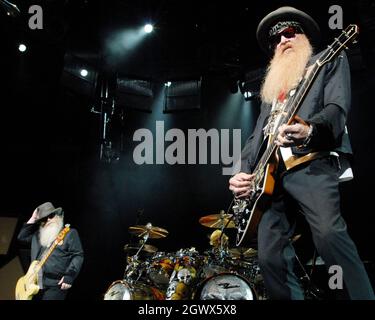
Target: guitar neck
[[291, 110], [59, 238], [46, 256]]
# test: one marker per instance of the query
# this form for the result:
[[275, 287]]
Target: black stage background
[[51, 137]]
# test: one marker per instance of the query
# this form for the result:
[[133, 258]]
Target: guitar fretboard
[[59, 238]]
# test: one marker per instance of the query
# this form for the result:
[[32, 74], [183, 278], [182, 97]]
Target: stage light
[[148, 28], [11, 9], [249, 90], [168, 84], [79, 75], [250, 84], [22, 47], [84, 72], [248, 95]]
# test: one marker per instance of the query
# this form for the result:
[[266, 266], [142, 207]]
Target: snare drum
[[122, 290], [225, 286]]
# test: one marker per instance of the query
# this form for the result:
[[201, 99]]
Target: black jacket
[[326, 107], [65, 261]]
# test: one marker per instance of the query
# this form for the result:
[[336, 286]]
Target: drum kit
[[220, 273]]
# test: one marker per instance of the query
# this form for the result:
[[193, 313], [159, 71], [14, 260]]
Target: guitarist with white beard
[[290, 36], [64, 263]]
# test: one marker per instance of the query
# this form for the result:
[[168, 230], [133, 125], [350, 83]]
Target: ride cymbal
[[148, 229], [217, 221]]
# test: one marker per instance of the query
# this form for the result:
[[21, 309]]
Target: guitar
[[248, 212], [27, 286]]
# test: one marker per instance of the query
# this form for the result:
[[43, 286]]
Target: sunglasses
[[288, 33], [51, 216]]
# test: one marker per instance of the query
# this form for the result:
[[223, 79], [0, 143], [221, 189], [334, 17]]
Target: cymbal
[[135, 247], [242, 252], [295, 238], [217, 221], [153, 232]]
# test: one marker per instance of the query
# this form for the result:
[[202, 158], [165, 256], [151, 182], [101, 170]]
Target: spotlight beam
[[11, 9]]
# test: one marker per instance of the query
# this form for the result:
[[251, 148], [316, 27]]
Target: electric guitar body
[[27, 286], [253, 208]]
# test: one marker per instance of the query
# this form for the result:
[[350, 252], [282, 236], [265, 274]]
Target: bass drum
[[225, 286], [121, 290]]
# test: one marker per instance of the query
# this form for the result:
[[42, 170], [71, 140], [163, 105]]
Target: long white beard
[[285, 70], [47, 234]]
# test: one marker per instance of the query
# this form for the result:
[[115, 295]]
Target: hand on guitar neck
[[242, 184], [295, 134]]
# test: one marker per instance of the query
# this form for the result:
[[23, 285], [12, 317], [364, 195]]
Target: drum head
[[225, 286], [121, 290], [118, 290]]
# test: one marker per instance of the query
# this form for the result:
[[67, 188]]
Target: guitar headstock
[[346, 37], [63, 233]]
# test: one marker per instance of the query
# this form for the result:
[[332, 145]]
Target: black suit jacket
[[326, 107]]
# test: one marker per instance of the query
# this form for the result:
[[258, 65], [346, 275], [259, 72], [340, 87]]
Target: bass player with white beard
[[56, 255]]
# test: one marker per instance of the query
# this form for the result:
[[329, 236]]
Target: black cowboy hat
[[46, 209], [308, 24]]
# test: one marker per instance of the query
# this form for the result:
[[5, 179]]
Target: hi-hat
[[133, 248], [241, 252], [217, 221], [150, 230]]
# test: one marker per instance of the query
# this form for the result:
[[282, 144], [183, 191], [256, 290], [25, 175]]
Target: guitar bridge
[[239, 211]]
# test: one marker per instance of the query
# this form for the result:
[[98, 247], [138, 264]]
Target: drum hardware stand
[[131, 269], [309, 288], [223, 251], [133, 265], [142, 242], [144, 239], [313, 262]]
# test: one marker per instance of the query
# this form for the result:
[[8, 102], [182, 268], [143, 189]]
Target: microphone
[[11, 9]]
